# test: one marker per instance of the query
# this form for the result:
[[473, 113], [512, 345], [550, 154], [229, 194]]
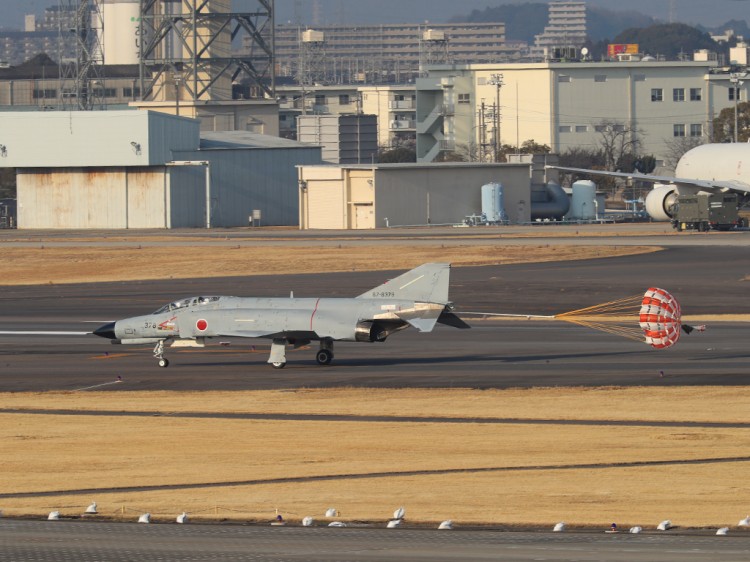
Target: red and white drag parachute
[[658, 314], [660, 318]]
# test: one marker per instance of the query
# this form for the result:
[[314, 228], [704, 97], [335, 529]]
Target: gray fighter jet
[[417, 298]]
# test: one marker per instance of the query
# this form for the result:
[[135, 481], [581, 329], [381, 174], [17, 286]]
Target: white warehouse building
[[144, 169], [366, 196], [564, 104]]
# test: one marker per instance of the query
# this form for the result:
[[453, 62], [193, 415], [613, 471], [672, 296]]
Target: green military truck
[[704, 212]]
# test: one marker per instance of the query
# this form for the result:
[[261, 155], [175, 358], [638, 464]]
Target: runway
[[519, 353], [708, 280], [79, 541]]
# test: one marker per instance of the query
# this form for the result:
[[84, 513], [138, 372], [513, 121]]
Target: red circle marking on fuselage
[[201, 325]]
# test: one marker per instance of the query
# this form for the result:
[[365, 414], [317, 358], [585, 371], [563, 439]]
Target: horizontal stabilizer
[[450, 319]]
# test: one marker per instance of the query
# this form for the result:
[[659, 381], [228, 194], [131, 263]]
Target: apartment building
[[387, 53], [566, 27]]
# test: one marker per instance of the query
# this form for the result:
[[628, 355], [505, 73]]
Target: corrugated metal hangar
[[143, 169], [379, 195]]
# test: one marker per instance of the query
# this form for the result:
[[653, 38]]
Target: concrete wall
[[246, 179], [93, 138], [445, 193]]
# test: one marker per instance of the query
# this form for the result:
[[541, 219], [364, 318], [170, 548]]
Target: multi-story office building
[[387, 53], [565, 105]]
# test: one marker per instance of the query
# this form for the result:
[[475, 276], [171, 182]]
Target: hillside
[[524, 21]]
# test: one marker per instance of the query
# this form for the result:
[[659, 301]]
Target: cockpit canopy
[[185, 303]]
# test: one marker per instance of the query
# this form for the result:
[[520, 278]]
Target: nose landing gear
[[159, 354]]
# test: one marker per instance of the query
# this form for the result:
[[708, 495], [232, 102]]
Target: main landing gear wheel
[[278, 365], [324, 357], [163, 362]]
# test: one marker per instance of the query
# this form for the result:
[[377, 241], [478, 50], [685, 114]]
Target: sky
[[706, 12]]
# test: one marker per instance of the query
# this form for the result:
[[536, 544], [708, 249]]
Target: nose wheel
[[163, 362]]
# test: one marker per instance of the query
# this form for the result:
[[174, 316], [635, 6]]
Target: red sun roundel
[[201, 325]]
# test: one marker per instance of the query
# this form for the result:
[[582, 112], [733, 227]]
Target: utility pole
[[497, 81], [737, 80]]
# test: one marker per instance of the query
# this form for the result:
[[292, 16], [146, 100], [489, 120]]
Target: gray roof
[[228, 140]]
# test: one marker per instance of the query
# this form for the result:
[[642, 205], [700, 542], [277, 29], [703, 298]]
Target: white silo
[[122, 31], [493, 204], [583, 201]]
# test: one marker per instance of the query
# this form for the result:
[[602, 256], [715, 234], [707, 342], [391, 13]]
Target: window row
[[678, 94], [696, 130], [51, 93], [680, 130]]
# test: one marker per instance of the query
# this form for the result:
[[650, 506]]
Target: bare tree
[[677, 146], [617, 140], [620, 145]]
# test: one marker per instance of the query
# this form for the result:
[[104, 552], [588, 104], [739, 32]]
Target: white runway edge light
[[559, 528], [331, 512], [722, 531], [393, 523], [665, 525], [145, 518], [91, 509], [337, 524], [308, 521], [446, 525], [399, 513], [182, 517], [53, 516], [744, 522], [635, 530]]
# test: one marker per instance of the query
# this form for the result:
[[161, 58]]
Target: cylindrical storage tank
[[122, 31], [583, 200], [493, 204]]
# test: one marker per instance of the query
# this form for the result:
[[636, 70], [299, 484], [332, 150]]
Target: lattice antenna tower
[[312, 58], [433, 49], [80, 26], [189, 43]]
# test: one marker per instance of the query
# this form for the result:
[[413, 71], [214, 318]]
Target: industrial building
[[567, 104], [382, 195], [345, 139], [144, 169]]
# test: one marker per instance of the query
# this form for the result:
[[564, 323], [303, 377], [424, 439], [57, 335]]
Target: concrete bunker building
[[144, 169]]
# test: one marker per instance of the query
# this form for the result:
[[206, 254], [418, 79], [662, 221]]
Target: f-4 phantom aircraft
[[417, 298]]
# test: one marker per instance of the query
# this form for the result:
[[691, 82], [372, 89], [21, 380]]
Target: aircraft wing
[[708, 185]]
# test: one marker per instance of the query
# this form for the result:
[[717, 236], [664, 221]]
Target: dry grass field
[[514, 474], [82, 264], [526, 473]]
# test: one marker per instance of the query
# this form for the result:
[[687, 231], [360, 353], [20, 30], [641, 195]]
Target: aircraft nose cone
[[106, 331]]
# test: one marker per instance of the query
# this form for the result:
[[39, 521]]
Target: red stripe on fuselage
[[313, 314]]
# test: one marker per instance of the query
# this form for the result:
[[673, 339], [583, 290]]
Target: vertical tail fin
[[426, 283]]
